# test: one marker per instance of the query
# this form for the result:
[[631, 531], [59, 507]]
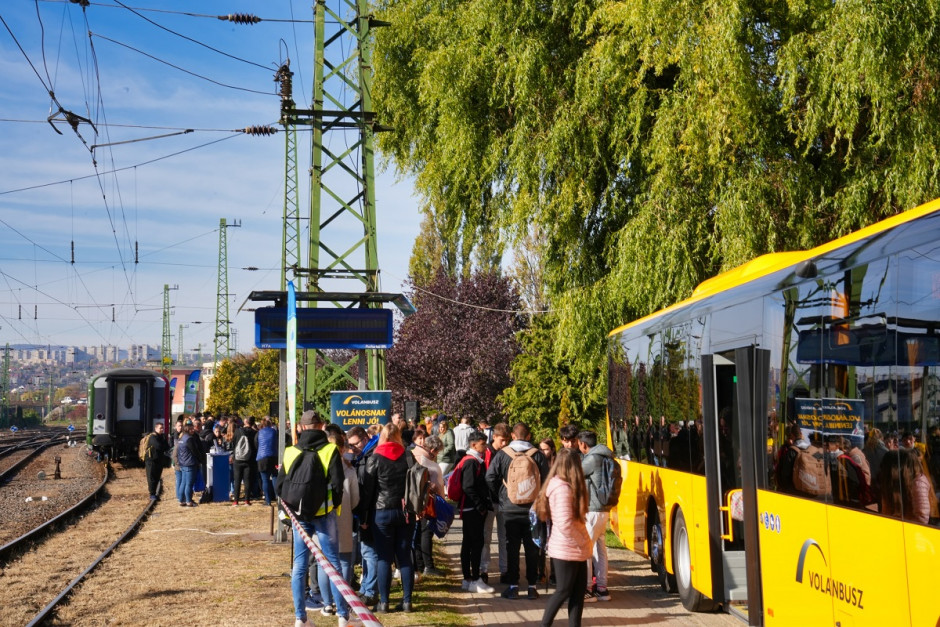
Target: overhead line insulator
[[259, 130], [240, 18]]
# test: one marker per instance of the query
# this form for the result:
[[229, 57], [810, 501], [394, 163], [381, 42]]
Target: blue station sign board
[[360, 408]]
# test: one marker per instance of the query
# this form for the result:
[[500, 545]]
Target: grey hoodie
[[592, 464]]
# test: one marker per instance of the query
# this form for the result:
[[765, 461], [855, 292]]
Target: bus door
[[734, 413]]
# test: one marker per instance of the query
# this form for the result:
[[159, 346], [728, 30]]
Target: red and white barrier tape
[[367, 618]]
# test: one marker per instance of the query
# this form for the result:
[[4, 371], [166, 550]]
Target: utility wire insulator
[[240, 18], [259, 130]]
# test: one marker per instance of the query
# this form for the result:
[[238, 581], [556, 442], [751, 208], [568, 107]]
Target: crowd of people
[[497, 478], [894, 474], [251, 446]]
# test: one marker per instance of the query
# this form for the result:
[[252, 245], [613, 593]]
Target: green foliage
[[245, 384], [655, 143], [546, 391]]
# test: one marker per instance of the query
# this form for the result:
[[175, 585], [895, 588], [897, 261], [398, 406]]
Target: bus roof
[[772, 262]]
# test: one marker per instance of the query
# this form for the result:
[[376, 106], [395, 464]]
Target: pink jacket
[[570, 540]]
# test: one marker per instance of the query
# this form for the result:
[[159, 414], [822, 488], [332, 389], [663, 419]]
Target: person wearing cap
[[447, 457], [312, 440]]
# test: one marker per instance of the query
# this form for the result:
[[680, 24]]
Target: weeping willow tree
[[654, 143]]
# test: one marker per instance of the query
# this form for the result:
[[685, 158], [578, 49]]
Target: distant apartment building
[[76, 355]]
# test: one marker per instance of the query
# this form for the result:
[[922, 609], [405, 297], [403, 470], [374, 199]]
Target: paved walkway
[[636, 597]]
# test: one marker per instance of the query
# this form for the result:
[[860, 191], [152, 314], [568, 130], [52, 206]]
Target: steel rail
[[15, 468], [44, 612], [10, 547]]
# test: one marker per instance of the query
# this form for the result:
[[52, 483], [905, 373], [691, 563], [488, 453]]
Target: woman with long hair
[[383, 490], [563, 501], [547, 446], [903, 487]]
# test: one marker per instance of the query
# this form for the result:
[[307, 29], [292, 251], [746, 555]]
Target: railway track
[[39, 580], [15, 456], [27, 500]]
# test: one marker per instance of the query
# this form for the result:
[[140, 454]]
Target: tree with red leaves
[[454, 354]]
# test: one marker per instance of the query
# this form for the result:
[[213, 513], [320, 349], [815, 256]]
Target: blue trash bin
[[219, 472]]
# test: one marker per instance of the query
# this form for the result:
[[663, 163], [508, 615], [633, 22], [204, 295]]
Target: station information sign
[[325, 328]]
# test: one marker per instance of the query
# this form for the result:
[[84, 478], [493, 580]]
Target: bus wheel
[[658, 555], [692, 599]]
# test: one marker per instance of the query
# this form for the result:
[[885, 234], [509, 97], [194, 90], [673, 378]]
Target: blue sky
[[163, 196]]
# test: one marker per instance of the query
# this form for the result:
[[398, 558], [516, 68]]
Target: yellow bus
[[756, 421]]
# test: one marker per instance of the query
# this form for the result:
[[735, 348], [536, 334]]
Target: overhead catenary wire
[[196, 41], [176, 67]]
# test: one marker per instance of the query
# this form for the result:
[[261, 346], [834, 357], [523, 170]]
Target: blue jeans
[[393, 537], [267, 486], [179, 483], [327, 534], [328, 592], [189, 479], [370, 565]]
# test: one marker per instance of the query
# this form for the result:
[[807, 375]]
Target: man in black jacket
[[300, 484], [515, 515], [155, 449]]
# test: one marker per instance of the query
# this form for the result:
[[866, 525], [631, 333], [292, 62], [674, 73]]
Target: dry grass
[[215, 564], [34, 579]]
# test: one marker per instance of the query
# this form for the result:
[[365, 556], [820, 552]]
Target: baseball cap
[[188, 422], [441, 418], [310, 417]]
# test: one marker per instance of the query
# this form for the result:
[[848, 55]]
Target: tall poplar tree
[[657, 142]]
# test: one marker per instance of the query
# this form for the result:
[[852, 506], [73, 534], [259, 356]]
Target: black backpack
[[305, 486], [417, 487], [608, 484]]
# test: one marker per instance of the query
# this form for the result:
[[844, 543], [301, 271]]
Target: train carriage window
[[128, 396]]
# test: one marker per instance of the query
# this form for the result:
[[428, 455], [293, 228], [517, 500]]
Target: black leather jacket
[[383, 485]]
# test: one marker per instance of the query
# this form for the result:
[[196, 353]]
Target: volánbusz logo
[[355, 399], [824, 583]]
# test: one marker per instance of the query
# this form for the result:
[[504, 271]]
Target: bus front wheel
[[692, 599]]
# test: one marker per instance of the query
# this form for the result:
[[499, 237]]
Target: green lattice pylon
[[342, 243], [166, 348]]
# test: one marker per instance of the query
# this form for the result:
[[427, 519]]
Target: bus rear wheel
[[692, 599], [657, 550]]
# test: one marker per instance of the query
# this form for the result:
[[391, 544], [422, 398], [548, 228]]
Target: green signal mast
[[223, 346], [342, 242], [166, 348]]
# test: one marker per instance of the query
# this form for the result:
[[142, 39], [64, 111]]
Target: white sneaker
[[465, 585], [481, 586], [301, 623]]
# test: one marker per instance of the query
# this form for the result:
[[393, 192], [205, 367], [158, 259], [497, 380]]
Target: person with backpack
[[494, 518], [473, 507], [310, 482], [602, 479], [563, 502], [392, 526], [514, 477], [425, 452], [810, 475], [154, 447], [244, 467]]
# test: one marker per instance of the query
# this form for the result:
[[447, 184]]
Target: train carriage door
[[734, 415]]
